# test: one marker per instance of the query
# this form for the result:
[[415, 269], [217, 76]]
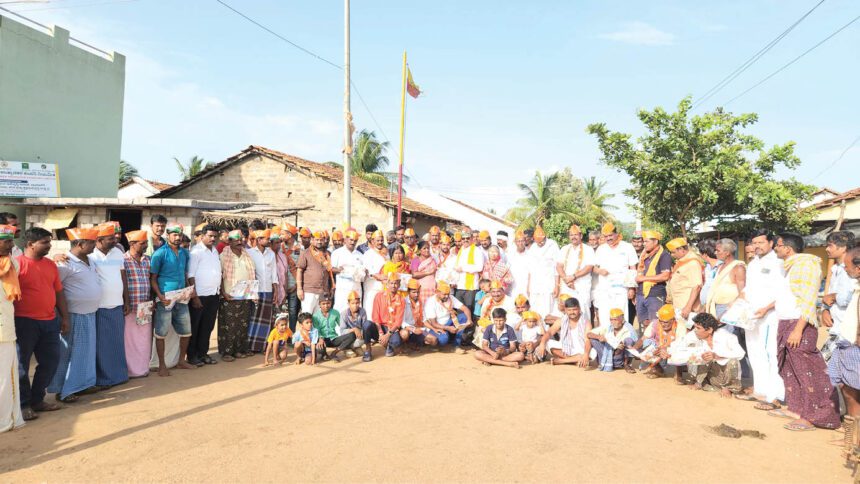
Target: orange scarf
[[9, 279], [665, 338], [322, 257], [681, 262]]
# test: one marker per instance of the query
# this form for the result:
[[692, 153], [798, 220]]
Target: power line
[[832, 164], [793, 61], [752, 60], [267, 29]]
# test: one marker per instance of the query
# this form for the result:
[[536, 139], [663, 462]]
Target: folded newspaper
[[246, 290], [181, 296], [647, 355], [739, 314], [144, 313]]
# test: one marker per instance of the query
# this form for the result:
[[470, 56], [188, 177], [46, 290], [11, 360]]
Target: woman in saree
[[423, 270], [495, 269]]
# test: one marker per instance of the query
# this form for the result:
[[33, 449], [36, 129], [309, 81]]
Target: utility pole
[[347, 119]]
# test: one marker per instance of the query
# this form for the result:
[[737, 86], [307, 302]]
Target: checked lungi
[[260, 323]]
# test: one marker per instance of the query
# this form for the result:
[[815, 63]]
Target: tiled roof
[[363, 187], [485, 214], [847, 196], [155, 184]]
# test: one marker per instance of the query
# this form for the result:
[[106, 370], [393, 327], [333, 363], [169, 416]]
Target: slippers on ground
[[746, 397], [652, 376], [69, 399], [779, 413], [46, 407], [766, 406], [228, 358], [798, 427], [29, 414]]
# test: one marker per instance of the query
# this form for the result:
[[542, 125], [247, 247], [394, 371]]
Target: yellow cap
[[353, 296], [443, 287], [496, 285], [574, 229], [666, 313], [413, 284], [676, 243], [616, 313], [530, 315], [484, 322], [483, 235], [608, 228], [539, 234], [521, 300], [651, 234]]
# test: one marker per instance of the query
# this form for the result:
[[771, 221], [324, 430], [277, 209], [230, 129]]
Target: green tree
[[194, 166], [596, 203], [369, 161], [126, 171], [539, 202], [691, 169]]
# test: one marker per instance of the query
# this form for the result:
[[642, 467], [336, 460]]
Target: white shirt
[[204, 265], [725, 345], [764, 280], [109, 267], [265, 267], [848, 328], [348, 261], [436, 310], [617, 261], [520, 263], [445, 270], [372, 262], [568, 257], [542, 269], [842, 285], [475, 268]]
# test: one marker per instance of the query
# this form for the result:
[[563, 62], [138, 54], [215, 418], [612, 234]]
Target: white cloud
[[640, 33]]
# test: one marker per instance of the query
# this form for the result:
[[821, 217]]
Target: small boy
[[482, 294], [722, 355], [612, 340], [276, 343], [531, 331], [305, 340], [499, 345]]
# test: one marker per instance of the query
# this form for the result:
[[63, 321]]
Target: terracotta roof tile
[[849, 195]]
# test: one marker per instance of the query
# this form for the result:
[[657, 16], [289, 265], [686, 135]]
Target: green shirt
[[326, 325]]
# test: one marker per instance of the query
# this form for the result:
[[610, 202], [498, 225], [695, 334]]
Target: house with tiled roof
[[137, 187], [313, 190]]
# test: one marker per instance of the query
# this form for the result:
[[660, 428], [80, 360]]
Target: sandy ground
[[425, 417]]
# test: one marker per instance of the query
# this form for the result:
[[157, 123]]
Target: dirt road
[[429, 417]]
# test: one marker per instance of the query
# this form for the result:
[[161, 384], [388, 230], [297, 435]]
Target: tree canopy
[[369, 161], [126, 171], [194, 166], [686, 170]]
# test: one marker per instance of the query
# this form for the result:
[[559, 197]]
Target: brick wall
[[261, 179]]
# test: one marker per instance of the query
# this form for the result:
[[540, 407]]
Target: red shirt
[[220, 246], [40, 282], [388, 310]]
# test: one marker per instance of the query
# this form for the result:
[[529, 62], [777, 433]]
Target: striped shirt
[[137, 274]]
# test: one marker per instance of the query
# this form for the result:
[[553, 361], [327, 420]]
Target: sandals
[[779, 413], [746, 397], [46, 407], [767, 406], [69, 399], [208, 360], [243, 355], [798, 426], [28, 414], [707, 387], [653, 375], [228, 358]]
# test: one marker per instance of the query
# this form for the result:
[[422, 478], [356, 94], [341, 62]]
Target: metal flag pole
[[347, 134]]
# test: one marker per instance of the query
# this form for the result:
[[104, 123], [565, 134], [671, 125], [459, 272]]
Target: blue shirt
[[494, 341], [170, 268]]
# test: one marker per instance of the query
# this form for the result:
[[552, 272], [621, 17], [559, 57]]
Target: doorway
[[129, 220]]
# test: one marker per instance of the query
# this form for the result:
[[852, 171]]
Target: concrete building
[[61, 102], [472, 217], [137, 187], [313, 190]]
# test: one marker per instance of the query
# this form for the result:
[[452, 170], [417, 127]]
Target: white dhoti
[[371, 289], [10, 397], [171, 349], [761, 349], [344, 287], [609, 299], [310, 302], [542, 302]]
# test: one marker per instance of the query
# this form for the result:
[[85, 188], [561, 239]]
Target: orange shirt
[[388, 310]]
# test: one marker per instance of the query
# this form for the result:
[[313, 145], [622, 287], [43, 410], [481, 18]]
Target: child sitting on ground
[[531, 330], [276, 343], [305, 340], [499, 346]]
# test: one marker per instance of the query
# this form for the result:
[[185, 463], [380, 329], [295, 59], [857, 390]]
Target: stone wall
[[261, 179]]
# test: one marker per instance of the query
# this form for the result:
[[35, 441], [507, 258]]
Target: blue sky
[[509, 86]]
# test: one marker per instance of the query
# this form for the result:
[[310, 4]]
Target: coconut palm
[[538, 203], [368, 161], [596, 202], [194, 166], [126, 171]]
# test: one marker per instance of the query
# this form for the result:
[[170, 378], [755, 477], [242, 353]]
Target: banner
[[29, 180]]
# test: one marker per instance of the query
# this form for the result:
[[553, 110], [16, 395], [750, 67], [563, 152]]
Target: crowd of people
[[696, 312]]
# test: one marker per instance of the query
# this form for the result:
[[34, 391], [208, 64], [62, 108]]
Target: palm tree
[[126, 171], [596, 202], [368, 161], [539, 201], [195, 165]]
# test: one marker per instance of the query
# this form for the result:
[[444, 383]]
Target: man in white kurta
[[346, 263], [373, 260], [614, 262], [10, 404], [543, 277], [764, 285], [574, 264], [519, 261]]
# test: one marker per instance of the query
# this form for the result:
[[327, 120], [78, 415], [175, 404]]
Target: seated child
[[305, 340], [612, 340], [530, 329], [482, 295], [499, 346], [276, 343], [721, 353]]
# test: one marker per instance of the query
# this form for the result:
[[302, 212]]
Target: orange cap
[[337, 235], [136, 236], [521, 300], [352, 296], [83, 234], [496, 285], [574, 229], [443, 287], [607, 228], [305, 232], [666, 313], [413, 284], [106, 229], [445, 239], [393, 276], [351, 234], [410, 232], [262, 234], [615, 313], [291, 228], [539, 234], [483, 235], [676, 243], [435, 230]]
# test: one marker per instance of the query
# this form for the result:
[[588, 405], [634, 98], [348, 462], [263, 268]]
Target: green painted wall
[[61, 104]]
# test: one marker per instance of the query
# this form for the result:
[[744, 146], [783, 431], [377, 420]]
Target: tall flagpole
[[347, 134], [402, 126]]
